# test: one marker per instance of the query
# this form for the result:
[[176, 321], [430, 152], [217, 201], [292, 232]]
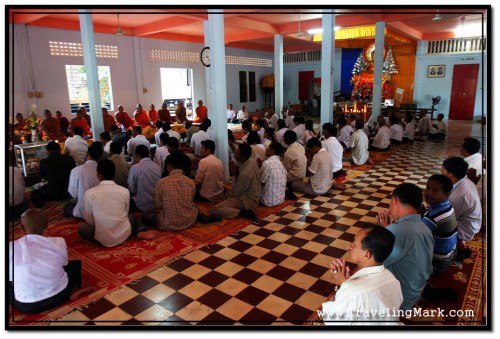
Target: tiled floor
[[275, 273]]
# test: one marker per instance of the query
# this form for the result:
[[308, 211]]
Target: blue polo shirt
[[411, 258]]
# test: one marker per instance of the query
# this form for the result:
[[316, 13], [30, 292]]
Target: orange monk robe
[[201, 112], [50, 127], [108, 121], [164, 115], [153, 116], [180, 114], [142, 118], [124, 120], [77, 122]]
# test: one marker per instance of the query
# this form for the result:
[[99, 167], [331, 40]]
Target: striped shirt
[[273, 178], [210, 175], [321, 167], [465, 201], [440, 218], [174, 195]]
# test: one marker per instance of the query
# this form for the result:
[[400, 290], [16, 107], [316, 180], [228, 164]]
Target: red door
[[463, 91]]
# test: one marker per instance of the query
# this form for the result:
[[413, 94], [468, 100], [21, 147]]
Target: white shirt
[[382, 139], [467, 205], [409, 131], [210, 175], [273, 178], [258, 151], [36, 267], [476, 161], [306, 136], [77, 148], [196, 140], [260, 132], [299, 130], [241, 115], [173, 134], [106, 147], [369, 289], [321, 167], [160, 156], [231, 114], [106, 207], [335, 149], [157, 136], [289, 122], [441, 127], [295, 162], [345, 134], [396, 132], [273, 121], [359, 145], [142, 180], [136, 141], [279, 136], [16, 186], [211, 133], [424, 124], [81, 179]]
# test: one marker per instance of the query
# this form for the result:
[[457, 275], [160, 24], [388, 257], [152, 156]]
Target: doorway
[[177, 85], [463, 91]]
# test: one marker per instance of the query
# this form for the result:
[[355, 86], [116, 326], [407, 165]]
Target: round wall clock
[[205, 56]]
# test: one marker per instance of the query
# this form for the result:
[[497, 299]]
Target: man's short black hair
[[270, 131], [176, 160], [313, 142], [173, 142], [164, 138], [446, 184], [137, 129], [116, 147], [207, 122], [53, 146], [359, 124], [204, 126], [142, 151], [332, 130], [253, 138], [290, 137], [245, 151], [409, 194], [379, 240], [393, 120], [96, 150], [159, 124], [188, 124], [276, 147], [166, 127], [342, 121], [281, 123], [106, 168], [457, 166], [246, 125], [78, 130], [261, 123], [105, 135], [471, 145], [209, 144], [113, 128]]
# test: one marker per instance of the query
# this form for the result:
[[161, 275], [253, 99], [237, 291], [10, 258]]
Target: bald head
[[34, 221]]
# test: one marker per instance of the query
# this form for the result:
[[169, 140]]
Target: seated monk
[[123, 119], [50, 126], [141, 117]]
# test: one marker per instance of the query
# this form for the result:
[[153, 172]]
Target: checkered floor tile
[[275, 273]]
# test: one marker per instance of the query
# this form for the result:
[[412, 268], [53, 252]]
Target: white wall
[[132, 71], [291, 76], [428, 88]]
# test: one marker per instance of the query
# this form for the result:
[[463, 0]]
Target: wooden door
[[463, 91]]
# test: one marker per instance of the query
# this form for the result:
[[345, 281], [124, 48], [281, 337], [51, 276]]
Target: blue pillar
[[327, 57], [377, 74], [278, 73], [90, 62]]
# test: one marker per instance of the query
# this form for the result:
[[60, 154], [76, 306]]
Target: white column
[[208, 94], [217, 76], [327, 56], [90, 62], [278, 73], [377, 73]]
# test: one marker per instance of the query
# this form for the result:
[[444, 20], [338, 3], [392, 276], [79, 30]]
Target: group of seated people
[[117, 199]]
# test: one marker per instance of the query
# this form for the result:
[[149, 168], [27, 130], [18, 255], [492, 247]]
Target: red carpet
[[110, 268]]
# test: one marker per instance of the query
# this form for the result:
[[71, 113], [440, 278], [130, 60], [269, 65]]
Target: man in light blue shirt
[[411, 257], [142, 179]]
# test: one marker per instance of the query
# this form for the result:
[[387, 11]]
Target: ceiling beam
[[21, 18], [246, 35], [241, 22], [177, 37], [251, 46], [404, 29], [163, 25]]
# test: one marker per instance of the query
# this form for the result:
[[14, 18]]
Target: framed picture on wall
[[436, 71]]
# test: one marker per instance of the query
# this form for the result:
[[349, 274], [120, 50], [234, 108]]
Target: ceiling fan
[[437, 16], [299, 32], [119, 30]]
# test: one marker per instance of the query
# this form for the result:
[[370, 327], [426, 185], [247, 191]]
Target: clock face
[[205, 56]]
